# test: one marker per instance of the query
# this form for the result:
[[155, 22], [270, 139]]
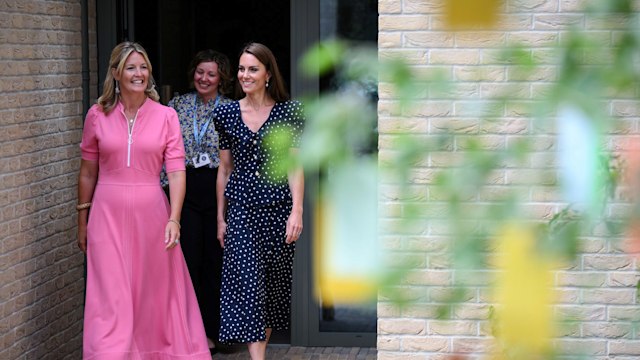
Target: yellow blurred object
[[524, 296], [472, 14], [334, 286]]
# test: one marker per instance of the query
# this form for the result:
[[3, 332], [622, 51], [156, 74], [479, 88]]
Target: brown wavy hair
[[277, 88], [225, 87]]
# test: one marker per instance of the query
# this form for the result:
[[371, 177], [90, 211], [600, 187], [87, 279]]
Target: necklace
[[131, 118]]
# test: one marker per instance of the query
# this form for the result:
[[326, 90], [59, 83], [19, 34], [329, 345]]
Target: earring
[[117, 87], [267, 85]]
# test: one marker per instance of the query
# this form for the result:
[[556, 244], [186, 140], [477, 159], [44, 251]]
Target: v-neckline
[[261, 126]]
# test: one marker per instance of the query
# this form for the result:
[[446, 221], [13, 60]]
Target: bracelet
[[175, 222], [83, 206]]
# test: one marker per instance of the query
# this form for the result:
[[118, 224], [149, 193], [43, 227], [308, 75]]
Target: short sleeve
[[174, 151], [296, 122], [219, 115], [89, 144]]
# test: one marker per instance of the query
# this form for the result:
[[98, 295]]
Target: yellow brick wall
[[600, 288]]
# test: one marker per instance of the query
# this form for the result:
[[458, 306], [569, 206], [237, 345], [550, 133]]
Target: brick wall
[[41, 268], [599, 289]]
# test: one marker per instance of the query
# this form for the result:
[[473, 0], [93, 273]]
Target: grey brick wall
[[599, 289], [41, 268]]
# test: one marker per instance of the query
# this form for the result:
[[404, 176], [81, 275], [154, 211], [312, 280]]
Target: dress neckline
[[263, 123]]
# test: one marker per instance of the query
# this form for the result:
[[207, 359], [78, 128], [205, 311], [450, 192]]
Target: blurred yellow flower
[[464, 14], [337, 283], [524, 295], [347, 262]]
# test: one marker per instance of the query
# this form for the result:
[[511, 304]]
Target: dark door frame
[[115, 22], [305, 329]]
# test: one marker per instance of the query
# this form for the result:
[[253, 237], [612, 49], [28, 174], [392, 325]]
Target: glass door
[[316, 319]]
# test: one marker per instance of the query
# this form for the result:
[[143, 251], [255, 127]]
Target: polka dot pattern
[[257, 265], [256, 274], [254, 180]]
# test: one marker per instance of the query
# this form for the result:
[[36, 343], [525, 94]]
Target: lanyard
[[199, 134]]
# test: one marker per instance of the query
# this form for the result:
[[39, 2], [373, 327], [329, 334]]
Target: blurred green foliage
[[341, 127]]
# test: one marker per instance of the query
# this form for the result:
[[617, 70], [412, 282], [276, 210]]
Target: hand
[[171, 235], [82, 238], [222, 230], [294, 227]]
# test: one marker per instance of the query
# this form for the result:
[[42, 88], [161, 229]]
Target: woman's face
[[134, 76], [252, 74], [206, 79]]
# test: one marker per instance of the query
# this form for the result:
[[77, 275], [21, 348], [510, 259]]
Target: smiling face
[[252, 74], [134, 76], [206, 80]]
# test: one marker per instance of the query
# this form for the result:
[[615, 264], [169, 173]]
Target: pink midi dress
[[140, 303]]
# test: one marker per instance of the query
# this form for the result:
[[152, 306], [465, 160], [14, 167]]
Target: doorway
[[172, 31]]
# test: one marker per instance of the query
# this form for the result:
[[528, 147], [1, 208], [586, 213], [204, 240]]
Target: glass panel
[[355, 20], [348, 318], [349, 19]]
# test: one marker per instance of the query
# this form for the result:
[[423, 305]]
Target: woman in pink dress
[[140, 302]]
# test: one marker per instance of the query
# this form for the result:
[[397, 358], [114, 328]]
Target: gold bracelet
[[175, 222], [83, 206]]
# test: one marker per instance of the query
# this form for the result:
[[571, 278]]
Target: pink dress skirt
[[140, 303]]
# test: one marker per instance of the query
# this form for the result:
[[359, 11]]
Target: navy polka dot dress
[[257, 265]]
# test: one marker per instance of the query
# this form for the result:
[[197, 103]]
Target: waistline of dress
[[137, 178]]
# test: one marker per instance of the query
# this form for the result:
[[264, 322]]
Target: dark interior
[[173, 31]]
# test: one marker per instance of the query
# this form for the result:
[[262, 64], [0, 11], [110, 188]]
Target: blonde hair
[[119, 55]]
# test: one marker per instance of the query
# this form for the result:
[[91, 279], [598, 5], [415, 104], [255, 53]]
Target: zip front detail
[[130, 124], [129, 142]]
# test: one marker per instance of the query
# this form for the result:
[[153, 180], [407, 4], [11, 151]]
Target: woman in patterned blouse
[[210, 75]]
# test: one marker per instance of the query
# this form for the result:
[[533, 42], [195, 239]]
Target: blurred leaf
[[611, 6], [518, 55], [279, 142], [562, 237], [406, 84], [322, 58], [339, 127], [453, 296], [361, 63]]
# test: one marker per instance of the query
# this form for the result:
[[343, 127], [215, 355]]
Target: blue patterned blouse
[[189, 107]]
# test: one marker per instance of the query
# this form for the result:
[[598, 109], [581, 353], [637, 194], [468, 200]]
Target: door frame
[[305, 315], [115, 20]]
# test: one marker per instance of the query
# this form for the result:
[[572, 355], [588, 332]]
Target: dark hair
[[277, 89], [225, 87], [119, 56]]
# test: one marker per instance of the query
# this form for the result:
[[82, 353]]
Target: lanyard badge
[[202, 158]]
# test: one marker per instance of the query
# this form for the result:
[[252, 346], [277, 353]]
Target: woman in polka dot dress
[[259, 207]]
